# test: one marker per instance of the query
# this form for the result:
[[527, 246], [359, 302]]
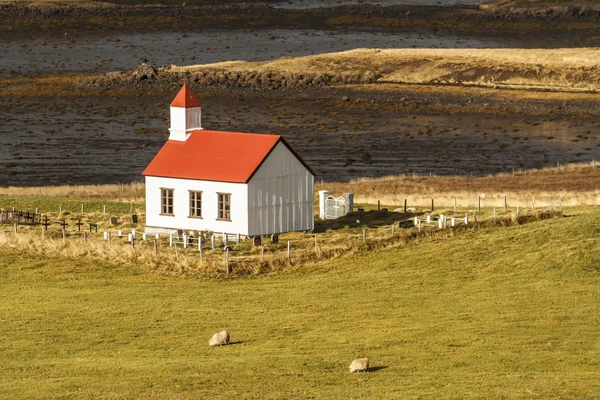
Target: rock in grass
[[359, 365], [219, 339]]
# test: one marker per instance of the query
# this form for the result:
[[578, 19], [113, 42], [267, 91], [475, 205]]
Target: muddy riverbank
[[342, 133]]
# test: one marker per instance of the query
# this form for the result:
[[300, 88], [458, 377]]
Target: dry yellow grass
[[576, 184], [131, 192], [548, 69]]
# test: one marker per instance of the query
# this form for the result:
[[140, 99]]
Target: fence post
[[155, 247], [16, 229], [404, 206], [132, 242], [185, 241], [109, 239], [200, 246], [104, 209], [227, 260], [364, 236], [82, 208], [378, 205], [64, 234], [213, 241], [478, 203], [431, 204], [455, 204], [505, 205], [453, 221], [237, 239], [419, 225], [170, 240], [60, 208], [466, 218]]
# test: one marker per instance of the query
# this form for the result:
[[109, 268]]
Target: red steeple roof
[[215, 156], [185, 98]]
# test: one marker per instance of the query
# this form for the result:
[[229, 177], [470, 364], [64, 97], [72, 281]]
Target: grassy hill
[[490, 313]]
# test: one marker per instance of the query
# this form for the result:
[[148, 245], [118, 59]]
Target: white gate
[[335, 207]]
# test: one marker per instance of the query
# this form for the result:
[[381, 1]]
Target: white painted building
[[226, 182]]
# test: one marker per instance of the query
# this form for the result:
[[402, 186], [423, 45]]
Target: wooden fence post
[[432, 205], [200, 246], [478, 203], [505, 205], [419, 225], [227, 260], [104, 209]]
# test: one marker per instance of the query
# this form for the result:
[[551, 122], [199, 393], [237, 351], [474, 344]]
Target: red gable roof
[[215, 156], [185, 98]]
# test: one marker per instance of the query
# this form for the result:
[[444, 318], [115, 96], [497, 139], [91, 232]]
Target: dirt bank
[[567, 70]]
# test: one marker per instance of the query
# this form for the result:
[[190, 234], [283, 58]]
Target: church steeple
[[185, 115]]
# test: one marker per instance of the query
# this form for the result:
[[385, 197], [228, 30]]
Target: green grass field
[[491, 313]]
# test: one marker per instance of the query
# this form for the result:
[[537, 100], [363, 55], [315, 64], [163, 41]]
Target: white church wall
[[280, 195], [181, 207]]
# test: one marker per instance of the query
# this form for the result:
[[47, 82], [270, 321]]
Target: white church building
[[227, 182]]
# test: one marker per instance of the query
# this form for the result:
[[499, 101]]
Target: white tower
[[185, 115]]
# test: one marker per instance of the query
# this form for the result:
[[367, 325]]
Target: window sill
[[224, 219], [194, 217], [167, 215]]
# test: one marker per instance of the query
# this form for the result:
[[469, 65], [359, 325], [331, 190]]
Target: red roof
[[185, 98], [215, 156]]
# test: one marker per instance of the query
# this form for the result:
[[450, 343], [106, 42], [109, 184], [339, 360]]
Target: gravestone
[[275, 238], [256, 241], [134, 218], [113, 220]]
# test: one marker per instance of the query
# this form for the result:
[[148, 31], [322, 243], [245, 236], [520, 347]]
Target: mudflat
[[77, 109]]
